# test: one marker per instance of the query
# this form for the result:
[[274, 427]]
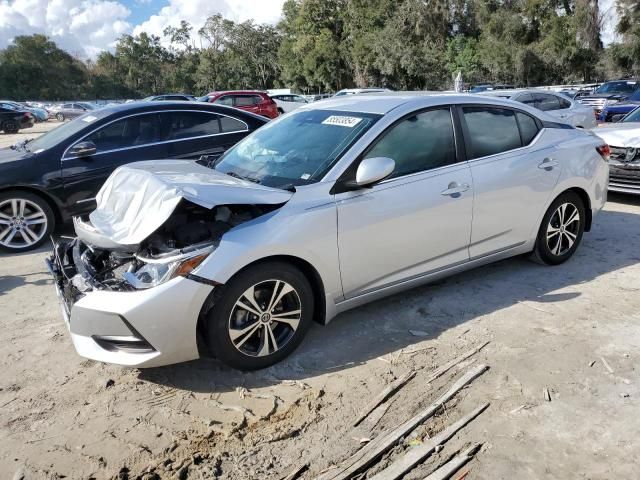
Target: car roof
[[383, 103], [240, 92], [511, 92], [140, 107]]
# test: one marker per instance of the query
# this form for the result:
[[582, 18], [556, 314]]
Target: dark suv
[[609, 93], [250, 100]]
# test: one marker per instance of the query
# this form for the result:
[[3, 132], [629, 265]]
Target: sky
[[86, 27]]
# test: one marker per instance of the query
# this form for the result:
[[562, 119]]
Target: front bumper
[[624, 177], [138, 328]]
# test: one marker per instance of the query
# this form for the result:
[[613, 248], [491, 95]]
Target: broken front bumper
[[624, 177], [137, 328]]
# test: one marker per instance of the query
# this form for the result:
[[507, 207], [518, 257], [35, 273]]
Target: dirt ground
[[35, 131], [571, 329]]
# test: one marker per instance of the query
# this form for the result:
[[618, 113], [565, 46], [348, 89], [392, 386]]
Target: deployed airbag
[[140, 197]]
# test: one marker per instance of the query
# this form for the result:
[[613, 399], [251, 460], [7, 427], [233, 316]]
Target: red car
[[250, 100]]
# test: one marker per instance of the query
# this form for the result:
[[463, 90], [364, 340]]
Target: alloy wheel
[[563, 229], [22, 223], [265, 318]]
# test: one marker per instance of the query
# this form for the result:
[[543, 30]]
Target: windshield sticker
[[341, 121], [305, 176], [89, 119]]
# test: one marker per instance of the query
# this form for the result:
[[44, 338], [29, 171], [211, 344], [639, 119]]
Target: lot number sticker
[[341, 121]]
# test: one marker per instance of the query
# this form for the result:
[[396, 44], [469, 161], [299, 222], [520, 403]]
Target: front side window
[[491, 130], [547, 103], [133, 131], [191, 124], [297, 149], [421, 142]]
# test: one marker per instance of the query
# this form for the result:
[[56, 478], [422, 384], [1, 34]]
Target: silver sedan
[[332, 206], [558, 106]]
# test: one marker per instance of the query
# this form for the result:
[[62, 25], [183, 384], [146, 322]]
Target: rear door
[[131, 139], [514, 173], [201, 135], [250, 103]]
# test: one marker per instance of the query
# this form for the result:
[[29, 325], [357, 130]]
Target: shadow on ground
[[382, 327]]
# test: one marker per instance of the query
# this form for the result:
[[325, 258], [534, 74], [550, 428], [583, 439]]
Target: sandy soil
[[65, 417]]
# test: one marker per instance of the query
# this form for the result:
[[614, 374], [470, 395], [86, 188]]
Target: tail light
[[604, 151]]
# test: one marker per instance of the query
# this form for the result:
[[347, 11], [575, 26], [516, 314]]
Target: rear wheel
[[60, 117], [561, 230], [260, 316], [26, 220], [10, 127]]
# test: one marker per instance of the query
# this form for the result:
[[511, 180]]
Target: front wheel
[[26, 220], [260, 316], [561, 230], [60, 117]]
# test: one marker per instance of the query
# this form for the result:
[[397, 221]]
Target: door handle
[[455, 189], [548, 164]]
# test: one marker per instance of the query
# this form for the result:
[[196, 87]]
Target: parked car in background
[[334, 205], [40, 114], [57, 175], [614, 112], [68, 111], [623, 138], [557, 105], [360, 91], [14, 118], [288, 102], [170, 97], [249, 100], [610, 93], [487, 87]]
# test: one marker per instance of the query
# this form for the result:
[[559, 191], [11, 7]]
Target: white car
[[289, 102], [558, 106], [623, 139]]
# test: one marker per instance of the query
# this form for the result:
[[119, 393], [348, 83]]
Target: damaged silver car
[[332, 206]]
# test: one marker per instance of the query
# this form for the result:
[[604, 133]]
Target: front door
[[120, 142], [418, 220]]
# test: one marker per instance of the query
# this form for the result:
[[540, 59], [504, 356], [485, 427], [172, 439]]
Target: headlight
[[158, 272], [630, 154]]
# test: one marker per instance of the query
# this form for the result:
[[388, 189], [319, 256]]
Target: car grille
[[618, 153], [595, 103]]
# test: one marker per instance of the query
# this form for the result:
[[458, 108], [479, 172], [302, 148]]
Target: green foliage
[[324, 45]]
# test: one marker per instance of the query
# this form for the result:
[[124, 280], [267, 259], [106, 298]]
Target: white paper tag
[[305, 176], [89, 119], [342, 121]]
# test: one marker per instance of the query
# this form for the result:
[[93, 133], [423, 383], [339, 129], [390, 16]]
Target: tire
[[561, 230], [10, 127], [248, 350], [26, 221], [60, 117]]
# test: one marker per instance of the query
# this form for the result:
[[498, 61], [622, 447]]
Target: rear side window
[[246, 100], [230, 124], [192, 124], [226, 100], [547, 103], [528, 127], [490, 131], [420, 142]]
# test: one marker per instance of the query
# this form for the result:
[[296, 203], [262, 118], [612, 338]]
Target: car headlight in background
[[156, 272]]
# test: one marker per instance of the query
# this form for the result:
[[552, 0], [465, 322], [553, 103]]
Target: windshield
[[55, 136], [297, 149], [634, 116], [617, 87], [203, 99]]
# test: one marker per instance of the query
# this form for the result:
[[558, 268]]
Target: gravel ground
[[571, 329]]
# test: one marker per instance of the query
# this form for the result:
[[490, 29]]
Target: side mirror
[[83, 149], [371, 171], [617, 117]]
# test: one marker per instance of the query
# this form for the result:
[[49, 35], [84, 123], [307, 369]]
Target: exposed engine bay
[[175, 248]]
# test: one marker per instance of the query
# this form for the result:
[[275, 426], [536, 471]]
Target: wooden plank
[[376, 448], [392, 388], [417, 454], [452, 466], [448, 366]]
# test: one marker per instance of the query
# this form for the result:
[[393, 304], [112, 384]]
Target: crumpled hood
[[140, 197], [620, 134]]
